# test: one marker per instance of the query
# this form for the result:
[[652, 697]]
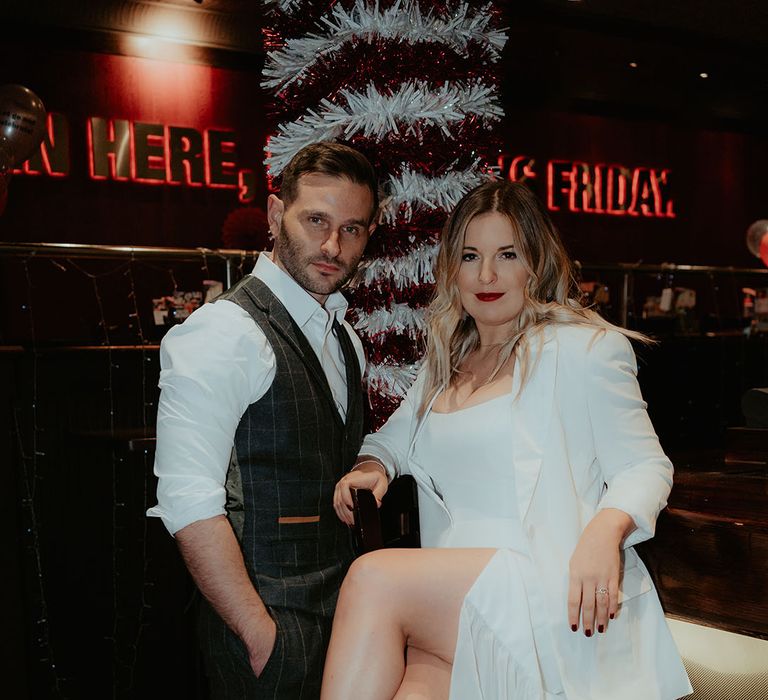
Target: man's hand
[[368, 474], [261, 649], [214, 558]]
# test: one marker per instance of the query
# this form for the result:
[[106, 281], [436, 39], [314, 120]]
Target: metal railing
[[110, 252], [628, 270], [236, 259]]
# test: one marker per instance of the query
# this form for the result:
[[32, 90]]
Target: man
[[260, 414]]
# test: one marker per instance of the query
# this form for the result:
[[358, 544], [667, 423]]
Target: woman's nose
[[487, 272]]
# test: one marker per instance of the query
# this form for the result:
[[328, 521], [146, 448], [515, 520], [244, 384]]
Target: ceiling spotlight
[[632, 64], [704, 75]]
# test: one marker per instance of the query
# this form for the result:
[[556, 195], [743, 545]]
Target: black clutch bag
[[395, 524]]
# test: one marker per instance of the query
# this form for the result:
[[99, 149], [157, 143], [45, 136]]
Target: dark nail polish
[[574, 628], [588, 633], [600, 629], [612, 616]]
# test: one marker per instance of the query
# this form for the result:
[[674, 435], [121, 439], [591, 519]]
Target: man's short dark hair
[[329, 158]]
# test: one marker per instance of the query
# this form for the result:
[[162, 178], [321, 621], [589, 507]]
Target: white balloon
[[755, 235]]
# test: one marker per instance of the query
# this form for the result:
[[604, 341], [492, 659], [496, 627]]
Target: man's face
[[320, 237]]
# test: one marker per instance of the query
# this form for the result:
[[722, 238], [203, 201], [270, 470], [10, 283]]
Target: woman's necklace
[[485, 371]]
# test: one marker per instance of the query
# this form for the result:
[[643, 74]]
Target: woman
[[538, 470]]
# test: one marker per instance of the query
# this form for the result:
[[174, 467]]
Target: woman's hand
[[594, 571], [368, 474]]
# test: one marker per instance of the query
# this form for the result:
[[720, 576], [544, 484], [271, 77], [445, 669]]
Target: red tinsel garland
[[360, 64], [367, 299], [395, 349]]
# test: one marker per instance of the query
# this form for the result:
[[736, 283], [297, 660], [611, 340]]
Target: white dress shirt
[[212, 367]]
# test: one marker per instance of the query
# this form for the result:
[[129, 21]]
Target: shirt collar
[[299, 303]]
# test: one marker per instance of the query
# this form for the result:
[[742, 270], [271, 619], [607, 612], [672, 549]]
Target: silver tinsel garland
[[402, 22]]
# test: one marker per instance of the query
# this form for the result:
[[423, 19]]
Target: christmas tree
[[414, 85]]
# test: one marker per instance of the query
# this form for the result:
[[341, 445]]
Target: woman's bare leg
[[426, 677], [392, 599]]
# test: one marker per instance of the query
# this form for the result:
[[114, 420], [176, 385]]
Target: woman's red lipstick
[[487, 296]]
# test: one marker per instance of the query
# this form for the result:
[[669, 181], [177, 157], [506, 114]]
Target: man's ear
[[275, 211]]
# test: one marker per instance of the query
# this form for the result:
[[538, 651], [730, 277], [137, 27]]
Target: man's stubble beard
[[291, 256]]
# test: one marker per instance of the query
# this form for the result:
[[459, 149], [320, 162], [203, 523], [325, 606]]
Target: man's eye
[[316, 220], [351, 230]]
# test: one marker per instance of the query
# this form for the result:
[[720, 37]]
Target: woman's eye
[[509, 255], [468, 257]]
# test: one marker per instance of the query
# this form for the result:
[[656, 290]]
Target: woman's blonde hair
[[551, 294]]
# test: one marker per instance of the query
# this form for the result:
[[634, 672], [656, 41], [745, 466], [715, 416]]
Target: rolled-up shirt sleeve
[[212, 367]]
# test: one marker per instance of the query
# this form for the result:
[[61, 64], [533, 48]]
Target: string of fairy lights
[[143, 605], [29, 468], [130, 597]]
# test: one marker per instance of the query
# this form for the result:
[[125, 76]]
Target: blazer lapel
[[531, 417]]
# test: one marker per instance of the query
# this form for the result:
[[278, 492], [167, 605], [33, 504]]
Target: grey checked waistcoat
[[291, 447]]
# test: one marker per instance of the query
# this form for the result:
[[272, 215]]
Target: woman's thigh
[[423, 590], [426, 677]]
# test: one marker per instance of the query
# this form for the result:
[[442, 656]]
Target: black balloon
[[22, 125]]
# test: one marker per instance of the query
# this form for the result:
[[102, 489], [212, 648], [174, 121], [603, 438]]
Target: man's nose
[[331, 247]]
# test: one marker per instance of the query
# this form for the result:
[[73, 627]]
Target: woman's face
[[491, 276]]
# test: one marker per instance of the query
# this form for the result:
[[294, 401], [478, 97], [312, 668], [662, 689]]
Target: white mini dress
[[504, 649]]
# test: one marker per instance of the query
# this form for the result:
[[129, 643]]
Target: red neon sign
[[613, 190], [119, 149], [153, 154]]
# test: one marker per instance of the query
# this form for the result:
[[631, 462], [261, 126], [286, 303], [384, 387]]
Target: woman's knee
[[370, 575]]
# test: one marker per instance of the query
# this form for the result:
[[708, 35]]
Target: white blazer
[[580, 441]]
